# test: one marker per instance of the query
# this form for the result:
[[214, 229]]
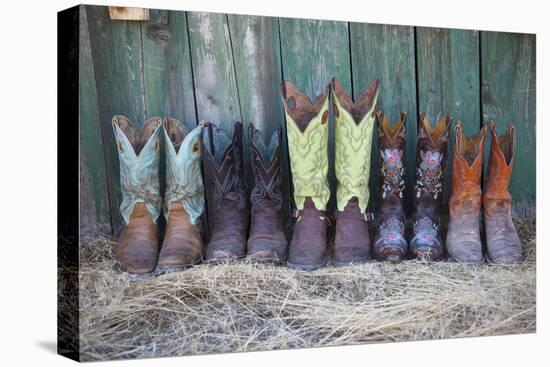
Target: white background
[[28, 181]]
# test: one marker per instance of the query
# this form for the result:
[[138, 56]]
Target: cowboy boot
[[463, 239], [390, 243], [223, 160], [430, 166], [354, 123], [138, 153], [503, 243], [184, 198], [267, 240], [307, 130]]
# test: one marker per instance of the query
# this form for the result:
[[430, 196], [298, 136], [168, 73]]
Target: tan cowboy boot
[[184, 198], [138, 153], [463, 239]]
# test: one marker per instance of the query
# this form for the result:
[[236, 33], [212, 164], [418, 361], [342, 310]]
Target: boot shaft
[[354, 125], [392, 144], [430, 165], [266, 169], [138, 153], [467, 170], [501, 160], [307, 131], [183, 171]]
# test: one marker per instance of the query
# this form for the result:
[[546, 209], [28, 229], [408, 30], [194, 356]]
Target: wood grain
[[509, 95], [386, 52]]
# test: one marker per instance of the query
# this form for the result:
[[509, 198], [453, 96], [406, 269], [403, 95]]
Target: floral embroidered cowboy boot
[[430, 165], [354, 124], [463, 239], [503, 243], [184, 197], [223, 160], [390, 243], [267, 240], [307, 130], [138, 153]]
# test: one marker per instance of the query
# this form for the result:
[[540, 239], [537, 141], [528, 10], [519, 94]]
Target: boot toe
[[177, 261], [264, 250], [392, 253], [426, 253], [138, 266]]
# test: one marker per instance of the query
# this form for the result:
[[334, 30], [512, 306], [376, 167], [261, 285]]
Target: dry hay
[[245, 307]]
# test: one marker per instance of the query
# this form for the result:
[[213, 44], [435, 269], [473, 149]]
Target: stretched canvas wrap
[[236, 183]]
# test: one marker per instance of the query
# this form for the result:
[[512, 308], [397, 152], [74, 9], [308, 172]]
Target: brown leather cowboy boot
[[184, 198], [390, 243], [138, 153], [267, 240], [223, 159], [307, 131], [430, 166], [463, 239], [354, 125], [503, 243]]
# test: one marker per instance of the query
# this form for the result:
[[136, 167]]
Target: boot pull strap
[[367, 216], [208, 127], [321, 214]]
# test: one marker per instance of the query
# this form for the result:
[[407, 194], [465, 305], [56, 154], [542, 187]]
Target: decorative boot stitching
[[392, 170], [425, 232], [391, 230], [429, 174]]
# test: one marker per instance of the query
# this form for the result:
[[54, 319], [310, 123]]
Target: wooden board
[[95, 217], [508, 95], [314, 51], [167, 73], [213, 70], [128, 13], [386, 52], [257, 59], [116, 49], [448, 81]]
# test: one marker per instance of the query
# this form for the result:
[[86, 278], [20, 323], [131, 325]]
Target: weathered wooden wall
[[226, 68]]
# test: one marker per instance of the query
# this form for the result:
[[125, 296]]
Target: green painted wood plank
[[214, 75], [116, 50], [314, 51], [448, 81], [95, 217], [213, 70], [257, 59], [509, 95], [168, 79], [386, 52]]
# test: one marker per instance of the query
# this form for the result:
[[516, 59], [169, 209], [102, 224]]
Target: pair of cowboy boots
[[308, 131], [138, 252], [463, 235], [390, 239], [266, 241]]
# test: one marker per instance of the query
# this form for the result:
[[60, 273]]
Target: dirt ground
[[248, 307]]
